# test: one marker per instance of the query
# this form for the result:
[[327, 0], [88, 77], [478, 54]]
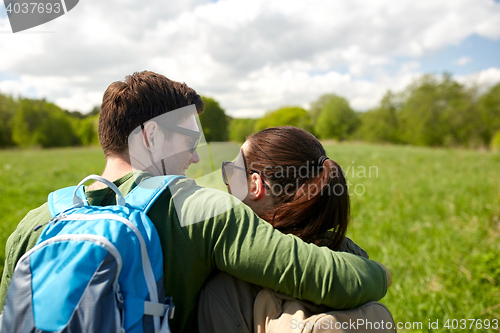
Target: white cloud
[[251, 55], [483, 79], [63, 91], [463, 61], [84, 99]]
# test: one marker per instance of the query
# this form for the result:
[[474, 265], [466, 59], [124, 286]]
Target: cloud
[[251, 55], [64, 91], [463, 61], [483, 79]]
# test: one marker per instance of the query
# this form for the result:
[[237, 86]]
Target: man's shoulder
[[194, 203], [35, 217], [188, 189]]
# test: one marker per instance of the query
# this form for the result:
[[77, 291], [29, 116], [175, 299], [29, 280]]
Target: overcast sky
[[251, 55]]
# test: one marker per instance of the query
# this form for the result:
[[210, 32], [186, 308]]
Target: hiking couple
[[223, 254]]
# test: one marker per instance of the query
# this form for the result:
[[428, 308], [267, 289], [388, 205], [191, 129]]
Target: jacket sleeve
[[240, 243], [20, 241], [347, 245]]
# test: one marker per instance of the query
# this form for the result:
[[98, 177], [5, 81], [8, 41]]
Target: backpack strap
[[145, 194], [74, 196], [62, 199]]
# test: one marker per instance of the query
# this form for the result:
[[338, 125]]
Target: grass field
[[432, 216]]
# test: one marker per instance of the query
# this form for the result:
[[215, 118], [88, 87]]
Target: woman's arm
[[347, 245]]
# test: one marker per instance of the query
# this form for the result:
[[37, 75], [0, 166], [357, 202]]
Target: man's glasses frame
[[228, 164], [180, 130]]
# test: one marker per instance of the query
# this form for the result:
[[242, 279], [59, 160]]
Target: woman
[[284, 175]]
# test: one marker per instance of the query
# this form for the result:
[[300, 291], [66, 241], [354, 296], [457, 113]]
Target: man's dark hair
[[140, 97]]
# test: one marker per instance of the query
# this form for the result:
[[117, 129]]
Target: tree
[[285, 116], [214, 121], [241, 128], [495, 141], [8, 107], [489, 111], [38, 123], [462, 124], [421, 114], [336, 119], [86, 130], [438, 112], [381, 124], [95, 111], [318, 105]]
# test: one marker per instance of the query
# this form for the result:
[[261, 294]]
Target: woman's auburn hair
[[316, 198]]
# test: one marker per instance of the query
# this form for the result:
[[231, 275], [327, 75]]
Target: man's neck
[[116, 167]]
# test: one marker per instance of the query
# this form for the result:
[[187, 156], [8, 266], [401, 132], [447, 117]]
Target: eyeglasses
[[180, 130], [228, 172], [187, 132]]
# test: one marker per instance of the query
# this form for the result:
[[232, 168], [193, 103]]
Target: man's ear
[[256, 188], [153, 138], [148, 133]]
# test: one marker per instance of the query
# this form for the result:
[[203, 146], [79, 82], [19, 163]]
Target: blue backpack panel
[[94, 268]]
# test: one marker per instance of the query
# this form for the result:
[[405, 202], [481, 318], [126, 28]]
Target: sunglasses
[[228, 172], [181, 130]]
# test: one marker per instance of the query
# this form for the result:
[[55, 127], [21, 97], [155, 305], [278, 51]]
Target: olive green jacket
[[197, 237]]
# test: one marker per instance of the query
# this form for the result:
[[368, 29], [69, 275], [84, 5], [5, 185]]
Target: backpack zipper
[[55, 219]]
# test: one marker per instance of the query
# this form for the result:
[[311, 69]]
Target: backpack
[[94, 268]]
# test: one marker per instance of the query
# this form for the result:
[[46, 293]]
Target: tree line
[[432, 111], [26, 122], [29, 122]]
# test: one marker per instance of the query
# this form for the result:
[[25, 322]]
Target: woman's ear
[[256, 188]]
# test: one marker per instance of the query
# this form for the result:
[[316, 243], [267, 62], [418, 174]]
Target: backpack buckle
[[169, 308]]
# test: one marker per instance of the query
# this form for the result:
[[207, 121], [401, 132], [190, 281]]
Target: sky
[[253, 56]]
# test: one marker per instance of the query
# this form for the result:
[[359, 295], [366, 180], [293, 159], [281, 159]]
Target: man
[[196, 236]]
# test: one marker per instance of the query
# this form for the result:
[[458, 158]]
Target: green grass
[[28, 176], [432, 216]]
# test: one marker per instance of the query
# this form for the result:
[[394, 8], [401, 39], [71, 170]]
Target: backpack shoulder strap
[[74, 196], [145, 194], [62, 199]]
